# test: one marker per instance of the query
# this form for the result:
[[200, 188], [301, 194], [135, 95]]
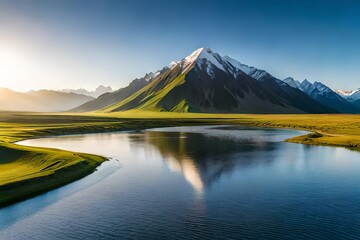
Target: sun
[[13, 67], [10, 62]]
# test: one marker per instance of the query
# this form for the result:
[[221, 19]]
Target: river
[[201, 182]]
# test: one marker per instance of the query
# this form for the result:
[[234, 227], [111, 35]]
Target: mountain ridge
[[40, 100], [323, 94], [100, 90], [206, 82]]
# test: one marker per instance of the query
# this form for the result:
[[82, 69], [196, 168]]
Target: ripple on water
[[209, 182]]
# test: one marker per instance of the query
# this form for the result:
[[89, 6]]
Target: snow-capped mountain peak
[[292, 82], [245, 68], [351, 95], [306, 85], [344, 93], [206, 59], [251, 71], [173, 64], [200, 56], [355, 95]]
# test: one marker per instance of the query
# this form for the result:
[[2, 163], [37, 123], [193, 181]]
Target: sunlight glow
[[8, 62], [14, 68]]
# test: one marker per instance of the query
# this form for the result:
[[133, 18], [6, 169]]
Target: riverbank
[[29, 171], [338, 130]]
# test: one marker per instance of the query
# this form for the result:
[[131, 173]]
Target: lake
[[202, 182]]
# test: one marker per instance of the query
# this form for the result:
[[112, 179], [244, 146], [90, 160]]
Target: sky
[[56, 44]]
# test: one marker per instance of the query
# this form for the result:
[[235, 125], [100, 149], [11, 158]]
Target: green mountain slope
[[204, 82]]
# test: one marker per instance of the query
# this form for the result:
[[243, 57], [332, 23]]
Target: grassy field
[[328, 129], [28, 171]]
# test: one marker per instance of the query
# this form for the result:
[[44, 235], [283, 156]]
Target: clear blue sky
[[83, 43]]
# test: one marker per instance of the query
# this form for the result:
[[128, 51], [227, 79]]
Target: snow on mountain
[[173, 64], [210, 57], [306, 86], [350, 95], [323, 94], [151, 75], [95, 93], [206, 82], [344, 93], [206, 57], [251, 71], [292, 82], [354, 96], [200, 56]]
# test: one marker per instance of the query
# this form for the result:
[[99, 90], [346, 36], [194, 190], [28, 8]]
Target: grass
[[148, 98], [28, 171]]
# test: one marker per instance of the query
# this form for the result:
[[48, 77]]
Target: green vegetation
[[28, 171], [149, 97], [328, 129]]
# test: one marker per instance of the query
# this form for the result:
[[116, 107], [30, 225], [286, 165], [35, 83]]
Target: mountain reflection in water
[[203, 159]]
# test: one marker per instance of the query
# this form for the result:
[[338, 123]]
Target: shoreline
[[63, 167], [51, 176]]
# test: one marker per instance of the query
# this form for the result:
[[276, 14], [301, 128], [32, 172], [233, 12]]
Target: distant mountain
[[344, 93], [293, 96], [353, 97], [292, 82], [98, 91], [206, 82], [323, 94], [108, 99], [40, 101]]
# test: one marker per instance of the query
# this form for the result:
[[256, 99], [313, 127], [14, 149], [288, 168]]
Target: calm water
[[216, 182]]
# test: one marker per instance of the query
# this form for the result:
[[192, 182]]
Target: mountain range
[[202, 82], [96, 93], [351, 96], [323, 94], [206, 82], [40, 101]]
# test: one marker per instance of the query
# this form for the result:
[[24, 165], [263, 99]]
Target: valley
[[179, 119], [25, 169], [201, 89]]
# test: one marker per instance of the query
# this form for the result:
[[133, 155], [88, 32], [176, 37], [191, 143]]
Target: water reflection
[[204, 158], [247, 184]]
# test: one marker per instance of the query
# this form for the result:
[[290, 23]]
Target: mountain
[[344, 93], [206, 82], [40, 101], [251, 71], [108, 99], [293, 96], [353, 97], [96, 93], [292, 82], [323, 94]]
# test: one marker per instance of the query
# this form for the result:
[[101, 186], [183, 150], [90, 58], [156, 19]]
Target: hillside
[[110, 98], [206, 82], [40, 101]]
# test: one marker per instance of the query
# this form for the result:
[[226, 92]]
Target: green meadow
[[29, 171]]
